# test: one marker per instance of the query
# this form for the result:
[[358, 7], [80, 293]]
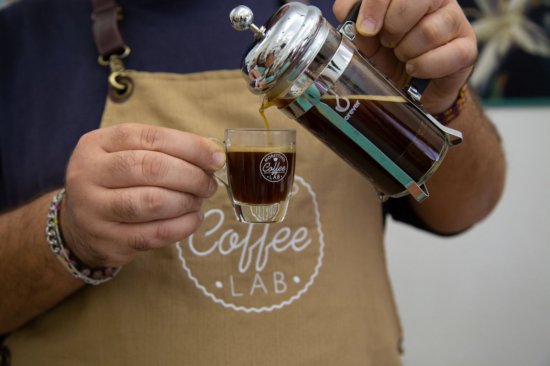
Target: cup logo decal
[[254, 268], [274, 167], [339, 107]]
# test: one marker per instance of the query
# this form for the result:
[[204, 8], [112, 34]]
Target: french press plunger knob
[[242, 18]]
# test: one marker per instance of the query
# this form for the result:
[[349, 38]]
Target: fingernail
[[213, 185], [201, 216], [218, 158], [410, 69], [368, 25], [199, 201]]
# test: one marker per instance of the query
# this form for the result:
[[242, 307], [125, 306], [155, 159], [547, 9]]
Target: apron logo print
[[272, 169], [256, 268]]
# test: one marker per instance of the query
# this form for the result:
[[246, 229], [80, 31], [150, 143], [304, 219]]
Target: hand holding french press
[[426, 39]]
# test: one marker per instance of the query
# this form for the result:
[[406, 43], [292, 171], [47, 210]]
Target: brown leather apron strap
[[111, 47], [107, 35]]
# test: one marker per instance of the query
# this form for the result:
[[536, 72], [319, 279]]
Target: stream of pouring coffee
[[264, 105], [381, 98]]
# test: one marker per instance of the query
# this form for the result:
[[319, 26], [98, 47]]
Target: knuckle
[[393, 23], [191, 226], [196, 223], [377, 5], [392, 28], [195, 177], [466, 53], [452, 20], [152, 138], [123, 161], [122, 205], [163, 233], [139, 243], [203, 182], [121, 133], [200, 150], [430, 32], [401, 8], [197, 147], [152, 200], [403, 53], [87, 138], [186, 203], [475, 55], [153, 166]]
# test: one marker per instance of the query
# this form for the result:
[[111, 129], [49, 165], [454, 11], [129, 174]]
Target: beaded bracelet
[[452, 113], [65, 256]]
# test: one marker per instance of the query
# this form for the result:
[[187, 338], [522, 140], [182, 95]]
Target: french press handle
[[416, 87]]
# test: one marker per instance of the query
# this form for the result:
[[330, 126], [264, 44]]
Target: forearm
[[31, 278], [470, 181]]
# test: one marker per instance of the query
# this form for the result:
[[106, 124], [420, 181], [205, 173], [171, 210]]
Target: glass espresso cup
[[259, 173]]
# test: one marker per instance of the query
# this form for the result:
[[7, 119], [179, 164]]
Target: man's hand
[[133, 188], [433, 39], [129, 188], [426, 39]]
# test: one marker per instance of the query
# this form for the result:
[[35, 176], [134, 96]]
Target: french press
[[315, 75]]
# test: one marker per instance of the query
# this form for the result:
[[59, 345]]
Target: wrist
[[72, 258], [442, 104], [454, 111], [66, 226]]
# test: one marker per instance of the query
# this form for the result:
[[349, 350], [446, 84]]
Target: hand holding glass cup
[[259, 173]]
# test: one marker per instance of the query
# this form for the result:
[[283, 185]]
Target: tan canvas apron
[[312, 290]]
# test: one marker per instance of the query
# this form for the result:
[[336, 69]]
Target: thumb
[[367, 45]]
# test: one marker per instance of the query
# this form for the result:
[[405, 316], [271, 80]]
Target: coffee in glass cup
[[259, 173]]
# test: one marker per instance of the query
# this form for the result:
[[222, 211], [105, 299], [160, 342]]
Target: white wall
[[483, 298]]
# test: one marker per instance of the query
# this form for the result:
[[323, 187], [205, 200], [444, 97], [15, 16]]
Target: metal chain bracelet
[[92, 276]]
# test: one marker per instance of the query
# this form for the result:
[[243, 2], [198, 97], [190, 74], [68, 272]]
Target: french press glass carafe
[[315, 75]]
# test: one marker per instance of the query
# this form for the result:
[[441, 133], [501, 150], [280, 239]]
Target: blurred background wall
[[483, 298]]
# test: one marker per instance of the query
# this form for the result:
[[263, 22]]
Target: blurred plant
[[4, 3], [501, 24]]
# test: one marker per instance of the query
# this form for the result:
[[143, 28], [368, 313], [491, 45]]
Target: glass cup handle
[[221, 174]]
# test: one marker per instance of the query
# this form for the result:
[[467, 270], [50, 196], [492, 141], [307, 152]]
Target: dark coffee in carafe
[[414, 147]]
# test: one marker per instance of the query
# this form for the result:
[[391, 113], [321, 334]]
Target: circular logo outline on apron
[[285, 302], [268, 156]]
